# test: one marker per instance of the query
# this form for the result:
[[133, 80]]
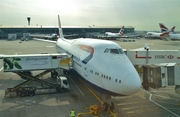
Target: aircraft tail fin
[[60, 29], [163, 27], [172, 29], [121, 31]]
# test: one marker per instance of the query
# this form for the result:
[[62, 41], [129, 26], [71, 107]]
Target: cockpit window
[[106, 50], [113, 51]]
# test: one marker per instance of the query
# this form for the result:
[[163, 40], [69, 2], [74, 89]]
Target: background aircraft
[[45, 36], [171, 36], [110, 35], [156, 35]]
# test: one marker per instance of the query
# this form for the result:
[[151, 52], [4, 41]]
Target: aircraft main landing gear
[[107, 106]]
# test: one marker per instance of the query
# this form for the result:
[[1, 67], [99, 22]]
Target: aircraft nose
[[131, 84]]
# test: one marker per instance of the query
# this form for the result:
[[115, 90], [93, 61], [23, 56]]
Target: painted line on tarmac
[[92, 92], [161, 96], [18, 53], [77, 86], [1, 69], [159, 104]]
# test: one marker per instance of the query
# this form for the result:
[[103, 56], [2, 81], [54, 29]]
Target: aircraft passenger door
[[85, 71]]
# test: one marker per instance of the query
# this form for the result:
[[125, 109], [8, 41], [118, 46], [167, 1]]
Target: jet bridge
[[159, 68], [23, 64], [145, 56]]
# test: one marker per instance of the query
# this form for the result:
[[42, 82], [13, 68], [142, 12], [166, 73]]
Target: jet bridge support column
[[151, 77], [161, 75]]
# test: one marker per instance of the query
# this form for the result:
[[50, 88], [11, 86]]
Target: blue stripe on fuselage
[[88, 58]]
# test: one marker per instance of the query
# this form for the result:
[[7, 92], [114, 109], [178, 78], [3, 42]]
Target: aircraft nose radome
[[131, 84]]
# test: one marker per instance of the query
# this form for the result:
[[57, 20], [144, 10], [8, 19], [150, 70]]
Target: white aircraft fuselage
[[174, 36], [110, 34], [153, 34], [103, 65]]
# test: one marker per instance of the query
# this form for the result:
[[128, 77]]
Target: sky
[[141, 14]]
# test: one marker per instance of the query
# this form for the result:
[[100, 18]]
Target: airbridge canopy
[[141, 57]]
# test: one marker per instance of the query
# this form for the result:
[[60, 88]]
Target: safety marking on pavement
[[130, 112], [135, 107], [129, 103], [150, 99], [145, 110], [92, 92], [77, 86], [1, 69], [126, 108], [49, 46], [148, 110], [18, 53]]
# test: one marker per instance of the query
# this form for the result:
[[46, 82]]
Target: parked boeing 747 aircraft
[[163, 30], [110, 35], [119, 34], [101, 63]]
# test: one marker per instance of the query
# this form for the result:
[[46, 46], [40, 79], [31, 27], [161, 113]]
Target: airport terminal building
[[6, 32]]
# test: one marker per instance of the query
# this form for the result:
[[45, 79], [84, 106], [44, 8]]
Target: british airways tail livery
[[172, 36], [102, 63], [165, 29], [164, 32]]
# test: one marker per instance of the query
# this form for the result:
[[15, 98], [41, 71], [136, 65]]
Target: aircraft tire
[[22, 94], [31, 93], [111, 107], [105, 106]]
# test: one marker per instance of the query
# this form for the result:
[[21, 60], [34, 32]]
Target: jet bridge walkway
[[159, 68]]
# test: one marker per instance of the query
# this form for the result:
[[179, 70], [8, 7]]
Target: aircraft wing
[[2, 55], [50, 41]]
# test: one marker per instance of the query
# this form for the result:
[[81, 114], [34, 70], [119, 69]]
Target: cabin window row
[[105, 77]]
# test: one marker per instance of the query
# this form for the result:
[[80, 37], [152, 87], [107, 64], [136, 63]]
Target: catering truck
[[24, 65]]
